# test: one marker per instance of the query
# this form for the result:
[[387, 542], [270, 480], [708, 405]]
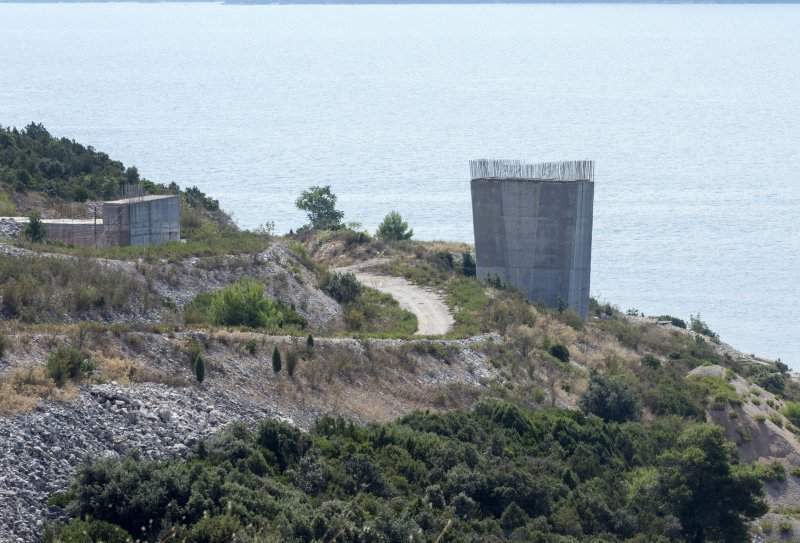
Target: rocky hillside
[[140, 392]]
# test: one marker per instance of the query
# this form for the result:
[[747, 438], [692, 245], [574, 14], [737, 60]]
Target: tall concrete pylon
[[533, 227]]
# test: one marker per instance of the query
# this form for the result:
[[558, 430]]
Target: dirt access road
[[433, 315]]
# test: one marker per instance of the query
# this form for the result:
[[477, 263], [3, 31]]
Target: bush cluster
[[242, 303], [68, 364], [342, 287], [497, 473], [611, 399]]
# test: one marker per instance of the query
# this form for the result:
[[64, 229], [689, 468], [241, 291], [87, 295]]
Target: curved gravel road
[[433, 315]]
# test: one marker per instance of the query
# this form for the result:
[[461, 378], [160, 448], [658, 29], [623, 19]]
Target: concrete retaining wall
[[155, 221], [537, 236], [144, 221]]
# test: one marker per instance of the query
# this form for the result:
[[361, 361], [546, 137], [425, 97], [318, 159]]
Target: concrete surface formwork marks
[[155, 221], [536, 236], [116, 218]]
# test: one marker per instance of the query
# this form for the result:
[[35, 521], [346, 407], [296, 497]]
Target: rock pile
[[9, 228], [40, 451]]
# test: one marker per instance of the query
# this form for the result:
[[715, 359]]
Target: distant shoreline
[[408, 2]]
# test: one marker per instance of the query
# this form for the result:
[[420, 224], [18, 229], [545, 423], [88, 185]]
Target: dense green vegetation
[[496, 473], [33, 160], [242, 303]]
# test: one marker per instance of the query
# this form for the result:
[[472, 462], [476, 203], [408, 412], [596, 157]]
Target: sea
[[691, 112]]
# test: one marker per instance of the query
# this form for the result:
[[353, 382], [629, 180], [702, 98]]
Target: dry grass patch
[[128, 372], [22, 389]]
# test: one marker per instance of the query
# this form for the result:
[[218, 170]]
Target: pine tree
[[468, 264], [276, 360], [200, 369]]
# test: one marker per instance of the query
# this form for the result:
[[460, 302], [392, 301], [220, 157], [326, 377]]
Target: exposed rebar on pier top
[[566, 171]]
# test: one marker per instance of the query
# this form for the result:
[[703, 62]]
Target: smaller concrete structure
[[144, 220]]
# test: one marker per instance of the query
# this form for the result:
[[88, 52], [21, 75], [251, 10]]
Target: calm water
[[692, 113]]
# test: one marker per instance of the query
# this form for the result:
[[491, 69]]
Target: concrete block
[[537, 236]]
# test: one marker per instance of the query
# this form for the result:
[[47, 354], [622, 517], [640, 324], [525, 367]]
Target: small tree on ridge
[[319, 203], [394, 228]]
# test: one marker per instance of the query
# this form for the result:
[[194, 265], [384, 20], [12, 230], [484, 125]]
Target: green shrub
[[215, 529], [243, 304], [755, 401], [7, 207], [651, 361], [785, 527], [200, 369], [676, 397], [342, 287], [680, 323], [760, 417], [276, 360], [611, 399], [35, 231], [352, 237], [67, 364], [696, 324], [194, 352], [375, 312], [774, 471], [250, 346], [776, 419], [300, 250], [767, 526], [772, 381], [792, 412], [3, 344], [291, 361], [744, 435], [795, 471], [86, 531], [718, 389], [468, 265], [732, 413], [393, 228], [560, 351]]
